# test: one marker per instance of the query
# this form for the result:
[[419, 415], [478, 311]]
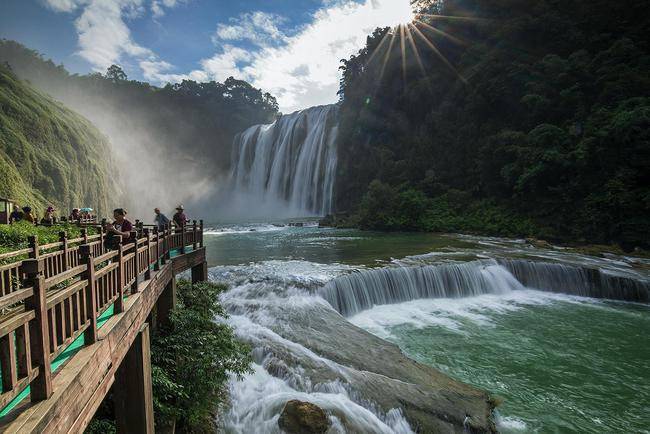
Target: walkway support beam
[[132, 388], [200, 272]]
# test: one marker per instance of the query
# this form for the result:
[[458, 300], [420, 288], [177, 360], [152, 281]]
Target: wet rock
[[301, 417], [540, 244]]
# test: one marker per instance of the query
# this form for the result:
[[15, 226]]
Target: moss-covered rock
[[301, 417]]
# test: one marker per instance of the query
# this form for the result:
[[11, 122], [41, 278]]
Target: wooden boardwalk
[[74, 322]]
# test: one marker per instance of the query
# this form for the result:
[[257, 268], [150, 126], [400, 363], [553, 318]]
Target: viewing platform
[[75, 320]]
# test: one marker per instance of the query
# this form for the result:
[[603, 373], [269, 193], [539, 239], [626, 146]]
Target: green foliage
[[546, 133], [387, 208], [48, 154], [14, 236], [193, 359]]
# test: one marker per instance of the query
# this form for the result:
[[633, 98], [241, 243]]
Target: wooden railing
[[57, 293]]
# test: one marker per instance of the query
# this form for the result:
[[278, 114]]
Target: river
[[501, 315]]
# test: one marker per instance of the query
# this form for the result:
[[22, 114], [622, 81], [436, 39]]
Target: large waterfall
[[359, 291], [290, 163]]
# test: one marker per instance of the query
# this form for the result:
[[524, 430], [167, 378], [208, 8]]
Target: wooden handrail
[[57, 294]]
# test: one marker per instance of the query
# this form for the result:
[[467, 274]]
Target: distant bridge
[[74, 322]]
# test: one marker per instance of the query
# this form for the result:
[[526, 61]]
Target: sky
[[290, 48]]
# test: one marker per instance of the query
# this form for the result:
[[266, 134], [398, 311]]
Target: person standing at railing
[[16, 215], [180, 220], [121, 227], [160, 220], [75, 216], [27, 215], [48, 218]]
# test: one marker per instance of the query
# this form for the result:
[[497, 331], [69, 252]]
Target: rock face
[[299, 417]]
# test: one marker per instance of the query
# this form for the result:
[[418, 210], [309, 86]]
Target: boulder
[[301, 417]]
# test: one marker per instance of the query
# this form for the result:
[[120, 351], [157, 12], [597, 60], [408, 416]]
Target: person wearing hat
[[16, 215], [179, 218], [76, 215], [27, 215], [48, 218]]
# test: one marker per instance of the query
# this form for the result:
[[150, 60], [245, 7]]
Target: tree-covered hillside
[[539, 124], [49, 154]]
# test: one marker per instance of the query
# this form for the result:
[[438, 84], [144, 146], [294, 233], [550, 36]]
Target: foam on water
[[259, 398], [453, 313]]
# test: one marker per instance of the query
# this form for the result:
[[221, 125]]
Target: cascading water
[[292, 161], [359, 291]]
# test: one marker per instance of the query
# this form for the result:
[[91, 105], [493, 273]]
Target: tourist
[[160, 220], [48, 218], [76, 215], [27, 215], [121, 227], [179, 218], [16, 215]]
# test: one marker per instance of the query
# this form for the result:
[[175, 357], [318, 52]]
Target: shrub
[[193, 358]]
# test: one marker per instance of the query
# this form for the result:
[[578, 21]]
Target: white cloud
[[303, 71], [260, 28], [157, 6], [64, 5], [104, 37]]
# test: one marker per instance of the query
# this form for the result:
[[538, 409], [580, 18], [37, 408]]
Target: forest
[[505, 117]]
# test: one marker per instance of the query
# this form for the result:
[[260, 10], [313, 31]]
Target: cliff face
[[49, 154]]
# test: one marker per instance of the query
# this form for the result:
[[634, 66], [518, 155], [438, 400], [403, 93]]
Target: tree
[[115, 73]]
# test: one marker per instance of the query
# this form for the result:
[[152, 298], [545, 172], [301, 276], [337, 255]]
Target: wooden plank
[[15, 297], [23, 354], [55, 297], [14, 321], [61, 277], [8, 362]]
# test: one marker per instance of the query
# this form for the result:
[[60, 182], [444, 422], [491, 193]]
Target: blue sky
[[290, 48]]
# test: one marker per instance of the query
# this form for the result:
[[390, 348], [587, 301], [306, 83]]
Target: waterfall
[[583, 281], [292, 160], [359, 291]]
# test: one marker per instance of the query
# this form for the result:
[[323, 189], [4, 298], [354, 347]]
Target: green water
[[561, 364], [560, 367], [325, 246]]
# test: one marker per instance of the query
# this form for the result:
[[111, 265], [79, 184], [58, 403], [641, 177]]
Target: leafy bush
[[15, 236], [193, 358]]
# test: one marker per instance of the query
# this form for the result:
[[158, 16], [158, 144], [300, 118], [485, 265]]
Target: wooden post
[[63, 238], [194, 235], [166, 303], [168, 235], [136, 262], [33, 245], [183, 236], [133, 397], [41, 387], [201, 233], [156, 265], [119, 303], [84, 234], [90, 335], [147, 273], [200, 272]]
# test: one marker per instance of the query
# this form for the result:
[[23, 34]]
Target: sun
[[398, 12]]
